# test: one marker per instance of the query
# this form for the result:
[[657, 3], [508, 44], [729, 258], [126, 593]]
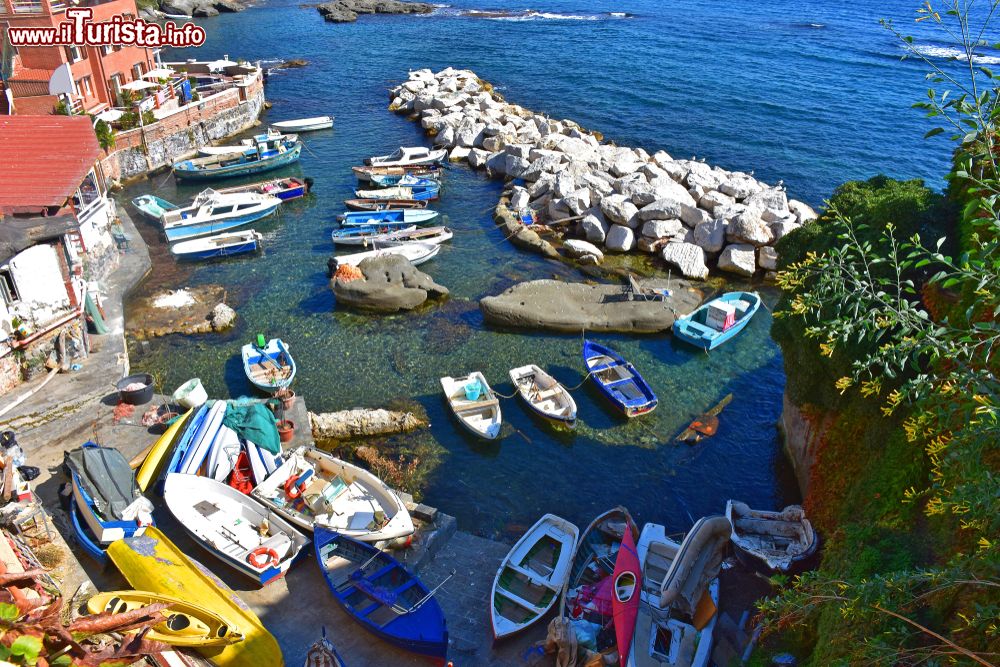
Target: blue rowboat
[[194, 426], [270, 366], [390, 217], [220, 245], [717, 321], [106, 501], [213, 213], [389, 180], [418, 192], [153, 207], [618, 380], [253, 161], [381, 594], [361, 234]]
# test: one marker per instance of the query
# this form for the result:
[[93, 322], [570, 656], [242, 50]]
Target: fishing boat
[[411, 180], [407, 156], [772, 542], [107, 504], [419, 192], [625, 587], [243, 146], [365, 234], [304, 124], [282, 188], [141, 560], [544, 395], [313, 490], [265, 156], [234, 527], [219, 245], [383, 204], [532, 575], [678, 635], [474, 404], [269, 366], [398, 217], [717, 321], [185, 623], [415, 253], [213, 213], [618, 380], [151, 464], [432, 235], [365, 174], [323, 654], [153, 207], [588, 597], [382, 595]]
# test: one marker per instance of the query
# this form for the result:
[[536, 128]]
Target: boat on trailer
[[772, 542], [544, 394], [269, 366], [717, 321], [304, 124], [220, 245], [474, 404], [618, 380], [407, 156]]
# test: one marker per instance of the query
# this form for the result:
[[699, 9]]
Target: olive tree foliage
[[936, 371]]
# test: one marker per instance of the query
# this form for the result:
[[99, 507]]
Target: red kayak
[[626, 595]]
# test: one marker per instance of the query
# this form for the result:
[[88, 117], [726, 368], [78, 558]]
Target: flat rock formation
[[387, 284], [360, 422], [558, 306], [346, 11], [186, 311], [201, 7]]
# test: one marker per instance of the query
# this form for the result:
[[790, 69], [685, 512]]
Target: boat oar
[[402, 610]]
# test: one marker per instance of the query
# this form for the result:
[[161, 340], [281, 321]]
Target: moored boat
[[406, 156], [532, 575], [282, 188], [474, 404], [365, 173], [219, 245], [618, 380], [717, 321], [269, 366], [365, 234], [263, 157], [243, 146], [383, 204], [419, 192], [185, 623], [772, 542], [409, 180], [415, 253], [398, 217], [323, 654], [153, 207], [234, 527], [213, 213], [304, 124], [313, 489], [432, 235], [544, 394], [382, 595]]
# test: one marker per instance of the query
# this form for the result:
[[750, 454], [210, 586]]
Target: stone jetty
[[696, 217], [359, 422]]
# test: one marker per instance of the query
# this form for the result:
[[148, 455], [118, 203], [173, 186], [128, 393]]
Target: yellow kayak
[[151, 465], [186, 624], [151, 562]]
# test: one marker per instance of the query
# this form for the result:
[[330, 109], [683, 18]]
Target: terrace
[[44, 7]]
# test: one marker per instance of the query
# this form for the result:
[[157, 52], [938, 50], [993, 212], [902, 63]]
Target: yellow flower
[[843, 384]]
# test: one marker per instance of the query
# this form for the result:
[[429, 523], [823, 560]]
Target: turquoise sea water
[[807, 92]]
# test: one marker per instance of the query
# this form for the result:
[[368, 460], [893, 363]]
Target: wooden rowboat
[[618, 380], [185, 624], [270, 366], [365, 173], [544, 394], [772, 542], [474, 404], [383, 204]]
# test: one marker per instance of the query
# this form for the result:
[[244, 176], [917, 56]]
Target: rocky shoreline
[[346, 11], [696, 217]]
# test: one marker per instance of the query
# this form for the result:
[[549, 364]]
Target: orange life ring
[[291, 490], [270, 557]]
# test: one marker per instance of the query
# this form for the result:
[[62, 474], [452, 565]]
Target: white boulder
[[688, 258], [594, 227], [620, 210], [576, 248], [739, 258], [767, 258], [661, 229], [620, 239], [710, 235]]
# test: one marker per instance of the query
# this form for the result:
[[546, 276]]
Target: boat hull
[[273, 352], [238, 169], [698, 335], [185, 232], [203, 628], [643, 400], [251, 244], [284, 189], [383, 204], [154, 459]]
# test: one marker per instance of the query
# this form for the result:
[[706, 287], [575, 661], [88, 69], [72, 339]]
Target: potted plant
[[286, 430], [19, 330]]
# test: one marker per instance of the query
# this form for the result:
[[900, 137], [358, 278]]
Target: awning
[[139, 85], [109, 115], [17, 234], [158, 73]]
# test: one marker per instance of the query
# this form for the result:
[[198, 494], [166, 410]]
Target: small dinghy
[[618, 380], [532, 575], [420, 192], [304, 124], [588, 598], [269, 366], [383, 204], [626, 584], [365, 234], [543, 394], [366, 173], [416, 253], [382, 595], [408, 180], [234, 527], [432, 235], [406, 156], [185, 623], [153, 207], [717, 321], [772, 542], [323, 654], [282, 188], [314, 489], [220, 245], [474, 404], [388, 217]]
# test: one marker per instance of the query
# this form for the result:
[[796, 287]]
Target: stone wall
[[802, 433]]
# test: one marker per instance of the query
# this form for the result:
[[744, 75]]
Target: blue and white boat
[[153, 207], [397, 217], [264, 156], [362, 234], [106, 504], [244, 145], [193, 428], [717, 321], [382, 595], [213, 213], [415, 192], [389, 180], [618, 380], [220, 245], [269, 366]]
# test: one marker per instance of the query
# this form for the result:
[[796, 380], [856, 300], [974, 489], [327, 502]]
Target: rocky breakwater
[[693, 215], [201, 7], [346, 11], [388, 284]]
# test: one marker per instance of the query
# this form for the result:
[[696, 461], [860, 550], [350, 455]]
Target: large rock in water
[[558, 306], [390, 284], [362, 422], [345, 11]]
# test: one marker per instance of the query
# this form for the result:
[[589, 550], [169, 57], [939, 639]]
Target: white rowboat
[[304, 124], [416, 253], [544, 394], [474, 404], [405, 156]]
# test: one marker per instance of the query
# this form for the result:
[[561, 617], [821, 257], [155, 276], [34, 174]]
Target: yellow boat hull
[[151, 562], [151, 464], [186, 624]]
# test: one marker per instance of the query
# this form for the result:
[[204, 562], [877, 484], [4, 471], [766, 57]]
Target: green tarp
[[253, 422]]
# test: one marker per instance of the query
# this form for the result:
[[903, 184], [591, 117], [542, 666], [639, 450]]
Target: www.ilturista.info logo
[[80, 30]]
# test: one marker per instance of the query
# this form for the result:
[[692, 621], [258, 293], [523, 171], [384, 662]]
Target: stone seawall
[[694, 216]]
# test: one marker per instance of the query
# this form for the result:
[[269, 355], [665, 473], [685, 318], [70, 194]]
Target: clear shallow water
[[747, 87]]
